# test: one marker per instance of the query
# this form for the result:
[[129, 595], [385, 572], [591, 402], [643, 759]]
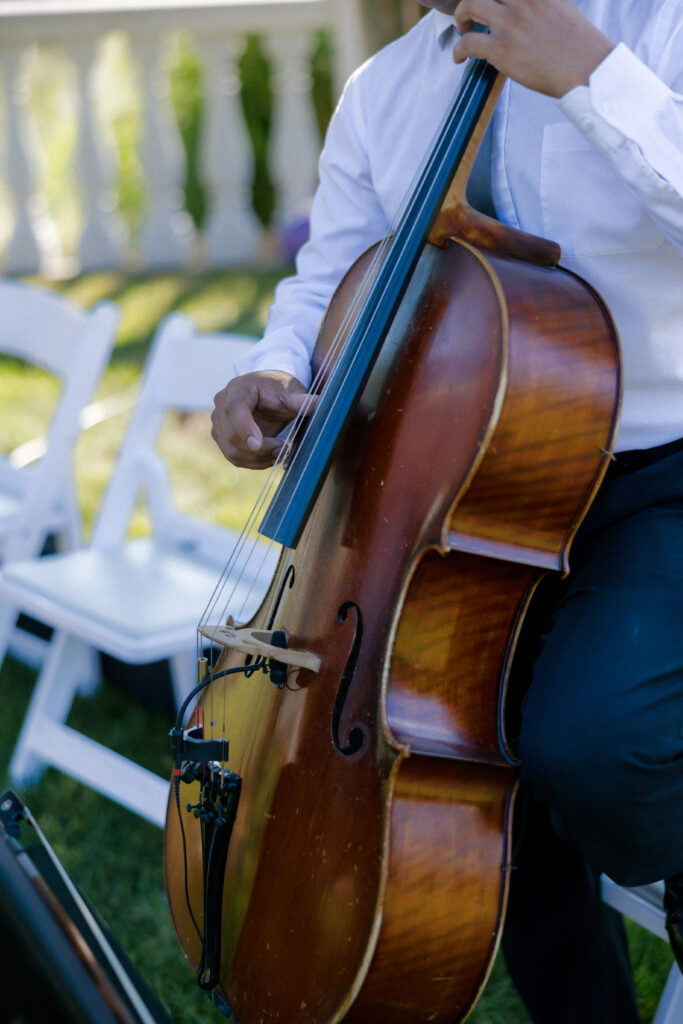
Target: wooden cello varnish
[[367, 872]]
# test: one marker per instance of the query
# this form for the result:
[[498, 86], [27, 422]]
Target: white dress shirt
[[600, 171]]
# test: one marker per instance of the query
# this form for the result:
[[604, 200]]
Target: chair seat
[[139, 601]]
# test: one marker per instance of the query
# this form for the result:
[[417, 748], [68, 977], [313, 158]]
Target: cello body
[[366, 874]]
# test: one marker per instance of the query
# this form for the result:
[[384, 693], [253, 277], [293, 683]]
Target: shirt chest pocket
[[586, 206]]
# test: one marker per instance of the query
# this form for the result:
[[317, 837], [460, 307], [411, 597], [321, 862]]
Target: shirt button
[[610, 107]]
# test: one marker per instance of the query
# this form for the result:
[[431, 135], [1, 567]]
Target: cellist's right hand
[[251, 410]]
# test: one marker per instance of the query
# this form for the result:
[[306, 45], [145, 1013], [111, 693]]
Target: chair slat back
[[49, 331], [183, 371], [43, 328]]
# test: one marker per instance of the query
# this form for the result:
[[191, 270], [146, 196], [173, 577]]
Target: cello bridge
[[268, 644]]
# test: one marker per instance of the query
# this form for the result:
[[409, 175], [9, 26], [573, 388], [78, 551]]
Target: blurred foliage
[[187, 83], [257, 102], [119, 107]]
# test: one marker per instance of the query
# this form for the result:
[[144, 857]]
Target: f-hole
[[358, 733]]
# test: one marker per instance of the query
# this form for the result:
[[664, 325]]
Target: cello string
[[249, 541], [469, 85], [384, 286], [422, 172], [392, 249], [249, 534], [389, 240], [294, 430]]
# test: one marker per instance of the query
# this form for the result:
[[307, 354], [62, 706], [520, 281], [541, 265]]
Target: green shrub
[[257, 102]]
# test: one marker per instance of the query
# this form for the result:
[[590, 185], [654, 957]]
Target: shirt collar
[[444, 29]]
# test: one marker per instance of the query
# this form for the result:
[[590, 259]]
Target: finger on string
[[476, 16], [239, 414], [261, 458], [230, 578]]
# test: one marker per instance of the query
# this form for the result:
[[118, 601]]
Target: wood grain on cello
[[364, 875]]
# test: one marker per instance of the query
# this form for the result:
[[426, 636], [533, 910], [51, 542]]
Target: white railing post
[[103, 236], [348, 43], [232, 233], [34, 243], [295, 141], [168, 235]]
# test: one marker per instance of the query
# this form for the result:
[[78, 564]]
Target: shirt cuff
[[628, 94], [279, 350], [626, 101]]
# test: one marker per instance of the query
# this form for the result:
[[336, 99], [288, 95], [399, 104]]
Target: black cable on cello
[[259, 664], [358, 323], [248, 670], [176, 787]]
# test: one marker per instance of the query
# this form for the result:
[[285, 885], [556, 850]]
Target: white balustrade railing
[[231, 233]]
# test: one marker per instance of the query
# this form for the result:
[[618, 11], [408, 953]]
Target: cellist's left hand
[[546, 45]]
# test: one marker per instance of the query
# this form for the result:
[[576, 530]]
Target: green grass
[[113, 855]]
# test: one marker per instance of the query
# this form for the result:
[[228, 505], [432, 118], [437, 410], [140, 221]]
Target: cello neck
[[288, 512]]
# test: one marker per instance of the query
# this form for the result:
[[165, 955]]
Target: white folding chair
[[140, 599], [643, 905], [38, 499]]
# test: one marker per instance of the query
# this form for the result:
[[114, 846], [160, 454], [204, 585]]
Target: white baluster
[[295, 141], [168, 235], [349, 44], [34, 244], [233, 233], [103, 236]]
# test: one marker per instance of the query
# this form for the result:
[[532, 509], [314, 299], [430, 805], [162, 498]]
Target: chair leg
[[183, 675], [27, 648], [86, 670], [8, 619], [46, 740], [22, 645], [51, 701]]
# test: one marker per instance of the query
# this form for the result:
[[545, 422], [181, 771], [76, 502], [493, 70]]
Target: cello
[[338, 829]]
